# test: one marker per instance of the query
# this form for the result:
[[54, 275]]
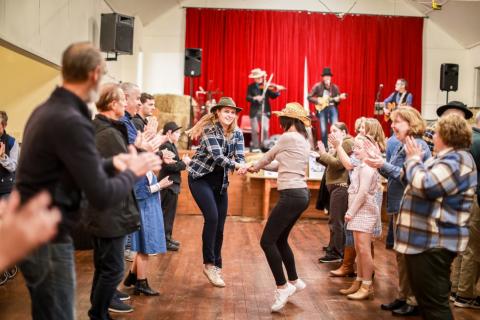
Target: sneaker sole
[[120, 311], [124, 299], [330, 261], [462, 305], [211, 282]]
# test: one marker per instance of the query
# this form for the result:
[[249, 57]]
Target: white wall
[[47, 27], [473, 61], [164, 45], [438, 48]]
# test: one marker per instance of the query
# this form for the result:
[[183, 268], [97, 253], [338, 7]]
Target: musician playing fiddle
[[326, 91], [255, 95]]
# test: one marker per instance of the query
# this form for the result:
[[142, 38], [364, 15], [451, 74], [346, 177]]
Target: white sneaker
[[281, 297], [219, 274], [212, 276], [299, 285]]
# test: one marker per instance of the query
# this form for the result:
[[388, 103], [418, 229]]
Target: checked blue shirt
[[437, 202], [216, 150]]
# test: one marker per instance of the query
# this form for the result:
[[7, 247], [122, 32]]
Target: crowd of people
[[120, 175]]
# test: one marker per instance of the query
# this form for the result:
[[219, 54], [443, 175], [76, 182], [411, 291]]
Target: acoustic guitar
[[390, 106], [323, 102]]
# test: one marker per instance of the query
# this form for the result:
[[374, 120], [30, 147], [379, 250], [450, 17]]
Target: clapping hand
[[186, 159], [165, 183], [321, 148], [412, 148], [335, 139]]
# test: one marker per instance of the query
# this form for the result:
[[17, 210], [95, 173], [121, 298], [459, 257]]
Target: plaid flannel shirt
[[216, 150], [436, 205]]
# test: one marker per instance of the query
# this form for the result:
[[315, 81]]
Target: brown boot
[[346, 269], [353, 288], [365, 292]]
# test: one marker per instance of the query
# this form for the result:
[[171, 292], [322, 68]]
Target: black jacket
[[59, 155], [256, 106], [139, 122], [123, 217], [172, 170], [319, 88]]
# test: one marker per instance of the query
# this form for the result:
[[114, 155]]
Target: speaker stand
[[447, 96], [189, 144]]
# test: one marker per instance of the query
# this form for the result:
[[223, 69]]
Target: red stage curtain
[[362, 51], [236, 41]]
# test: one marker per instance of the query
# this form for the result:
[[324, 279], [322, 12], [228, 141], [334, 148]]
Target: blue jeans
[[327, 116], [49, 273]]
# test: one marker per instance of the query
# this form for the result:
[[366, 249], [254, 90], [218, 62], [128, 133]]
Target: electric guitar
[[323, 102]]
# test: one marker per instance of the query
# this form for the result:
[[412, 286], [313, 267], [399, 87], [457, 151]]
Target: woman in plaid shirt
[[220, 151], [432, 226]]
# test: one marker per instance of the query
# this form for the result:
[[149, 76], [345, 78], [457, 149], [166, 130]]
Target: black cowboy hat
[[327, 72], [170, 126], [455, 105]]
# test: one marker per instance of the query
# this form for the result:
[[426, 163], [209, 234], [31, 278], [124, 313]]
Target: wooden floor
[[186, 294]]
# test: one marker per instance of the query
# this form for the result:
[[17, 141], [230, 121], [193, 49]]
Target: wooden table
[[271, 183]]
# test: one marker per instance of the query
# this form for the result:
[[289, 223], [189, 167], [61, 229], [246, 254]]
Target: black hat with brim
[[170, 126], [327, 72], [455, 105]]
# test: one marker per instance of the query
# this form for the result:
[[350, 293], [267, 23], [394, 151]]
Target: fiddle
[[273, 87]]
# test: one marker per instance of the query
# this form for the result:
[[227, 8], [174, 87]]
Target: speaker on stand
[[193, 68], [449, 77]]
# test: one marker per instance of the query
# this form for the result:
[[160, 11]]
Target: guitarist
[[400, 97], [254, 96], [320, 91]]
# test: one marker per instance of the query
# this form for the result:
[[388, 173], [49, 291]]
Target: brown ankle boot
[[353, 288], [365, 292], [346, 269]]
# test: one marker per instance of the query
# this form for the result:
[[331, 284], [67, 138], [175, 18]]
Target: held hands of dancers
[[242, 168], [412, 149]]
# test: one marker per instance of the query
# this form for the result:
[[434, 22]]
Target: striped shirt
[[216, 150], [436, 205]]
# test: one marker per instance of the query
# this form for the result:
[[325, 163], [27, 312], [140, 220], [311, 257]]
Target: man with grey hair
[[8, 157], [59, 155]]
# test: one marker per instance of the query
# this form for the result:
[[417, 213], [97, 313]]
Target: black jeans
[[429, 274], [214, 207], [169, 208], [109, 270], [49, 273], [338, 208], [390, 241], [274, 241]]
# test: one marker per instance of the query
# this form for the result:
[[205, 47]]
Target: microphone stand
[[263, 107]]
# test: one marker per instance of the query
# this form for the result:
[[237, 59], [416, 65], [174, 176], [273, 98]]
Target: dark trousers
[[169, 209], [338, 208], [109, 269], [49, 273], [274, 241], [429, 275], [214, 207], [390, 241]]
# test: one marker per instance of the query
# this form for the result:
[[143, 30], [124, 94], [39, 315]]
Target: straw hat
[[257, 73], [294, 110], [225, 102]]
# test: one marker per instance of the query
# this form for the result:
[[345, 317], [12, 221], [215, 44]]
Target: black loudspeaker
[[193, 62], [116, 33], [449, 77]]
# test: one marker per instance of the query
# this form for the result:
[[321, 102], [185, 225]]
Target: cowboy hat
[[455, 105], [257, 73], [225, 102], [327, 72], [294, 110]]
